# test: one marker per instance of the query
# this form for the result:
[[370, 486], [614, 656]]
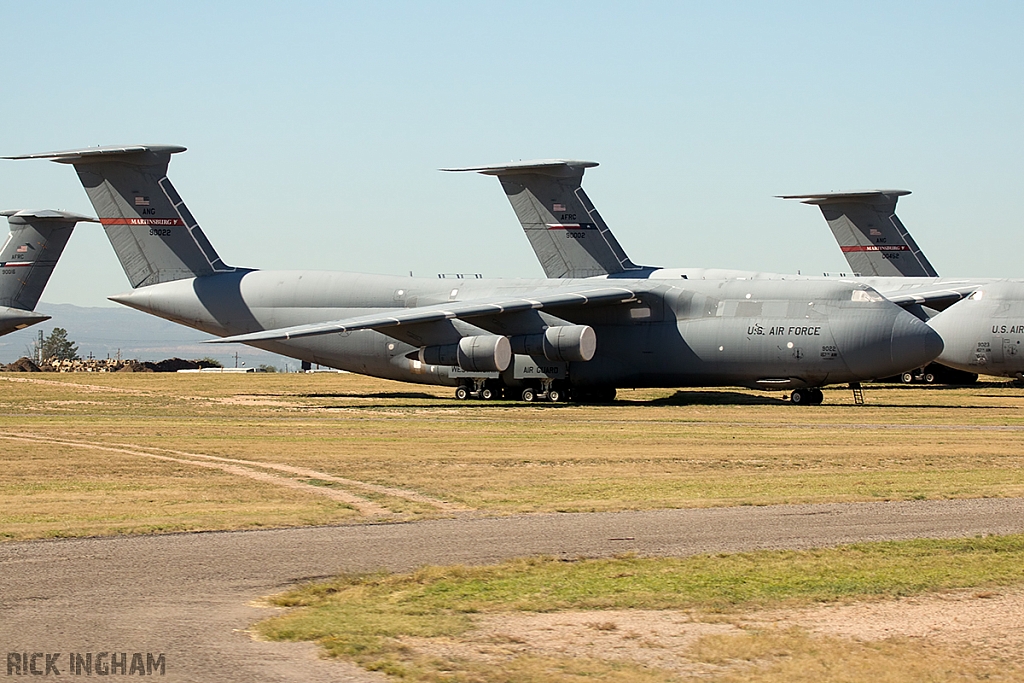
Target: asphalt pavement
[[190, 596]]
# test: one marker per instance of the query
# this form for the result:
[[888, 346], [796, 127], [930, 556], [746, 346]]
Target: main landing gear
[[489, 390], [559, 392], [556, 392], [808, 397], [486, 389]]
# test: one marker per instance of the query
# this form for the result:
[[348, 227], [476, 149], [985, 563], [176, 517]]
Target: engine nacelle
[[483, 353], [565, 343]]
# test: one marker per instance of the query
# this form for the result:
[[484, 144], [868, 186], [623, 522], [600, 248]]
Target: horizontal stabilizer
[[555, 167], [862, 196], [428, 314], [48, 215], [71, 156]]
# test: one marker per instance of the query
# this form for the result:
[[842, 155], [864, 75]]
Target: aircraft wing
[[544, 299], [937, 296]]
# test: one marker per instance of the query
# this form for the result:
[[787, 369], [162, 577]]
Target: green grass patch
[[364, 617]]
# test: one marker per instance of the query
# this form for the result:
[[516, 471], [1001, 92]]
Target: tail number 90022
[[160, 232]]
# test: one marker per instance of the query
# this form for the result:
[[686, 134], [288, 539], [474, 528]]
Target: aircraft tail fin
[[31, 252], [566, 232], [870, 234], [152, 231]]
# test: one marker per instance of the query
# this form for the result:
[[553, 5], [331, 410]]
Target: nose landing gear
[[809, 397]]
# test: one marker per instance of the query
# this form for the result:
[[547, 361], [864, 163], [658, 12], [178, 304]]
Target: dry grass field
[[96, 454]]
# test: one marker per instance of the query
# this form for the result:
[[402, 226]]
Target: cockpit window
[[866, 295]]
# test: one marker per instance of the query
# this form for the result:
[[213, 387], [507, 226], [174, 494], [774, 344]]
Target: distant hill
[[103, 331]]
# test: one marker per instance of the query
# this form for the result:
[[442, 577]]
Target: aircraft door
[[996, 351], [1011, 350]]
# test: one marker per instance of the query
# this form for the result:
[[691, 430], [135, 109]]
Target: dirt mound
[[23, 364], [166, 365], [135, 366], [174, 364]]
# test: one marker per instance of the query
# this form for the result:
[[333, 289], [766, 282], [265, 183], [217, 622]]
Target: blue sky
[[315, 129]]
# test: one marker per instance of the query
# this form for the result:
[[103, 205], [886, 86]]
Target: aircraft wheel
[[907, 378], [462, 393], [799, 397], [487, 393], [817, 396], [929, 378], [528, 395], [554, 395]]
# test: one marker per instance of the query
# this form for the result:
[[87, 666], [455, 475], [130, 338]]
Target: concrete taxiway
[[190, 596]]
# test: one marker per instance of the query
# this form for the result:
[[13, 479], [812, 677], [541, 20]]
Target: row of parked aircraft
[[597, 322]]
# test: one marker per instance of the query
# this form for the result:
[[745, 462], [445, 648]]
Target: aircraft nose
[[890, 342], [913, 343]]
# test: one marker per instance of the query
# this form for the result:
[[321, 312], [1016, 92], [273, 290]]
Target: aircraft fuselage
[[769, 334], [982, 333]]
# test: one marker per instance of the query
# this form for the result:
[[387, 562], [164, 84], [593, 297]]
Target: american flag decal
[[23, 249], [558, 207], [142, 201], [875, 233]]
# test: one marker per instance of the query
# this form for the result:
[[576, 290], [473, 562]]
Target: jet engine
[[565, 343], [483, 353]]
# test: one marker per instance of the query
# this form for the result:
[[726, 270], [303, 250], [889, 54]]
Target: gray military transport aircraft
[[27, 260], [571, 239], [526, 338], [983, 333]]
